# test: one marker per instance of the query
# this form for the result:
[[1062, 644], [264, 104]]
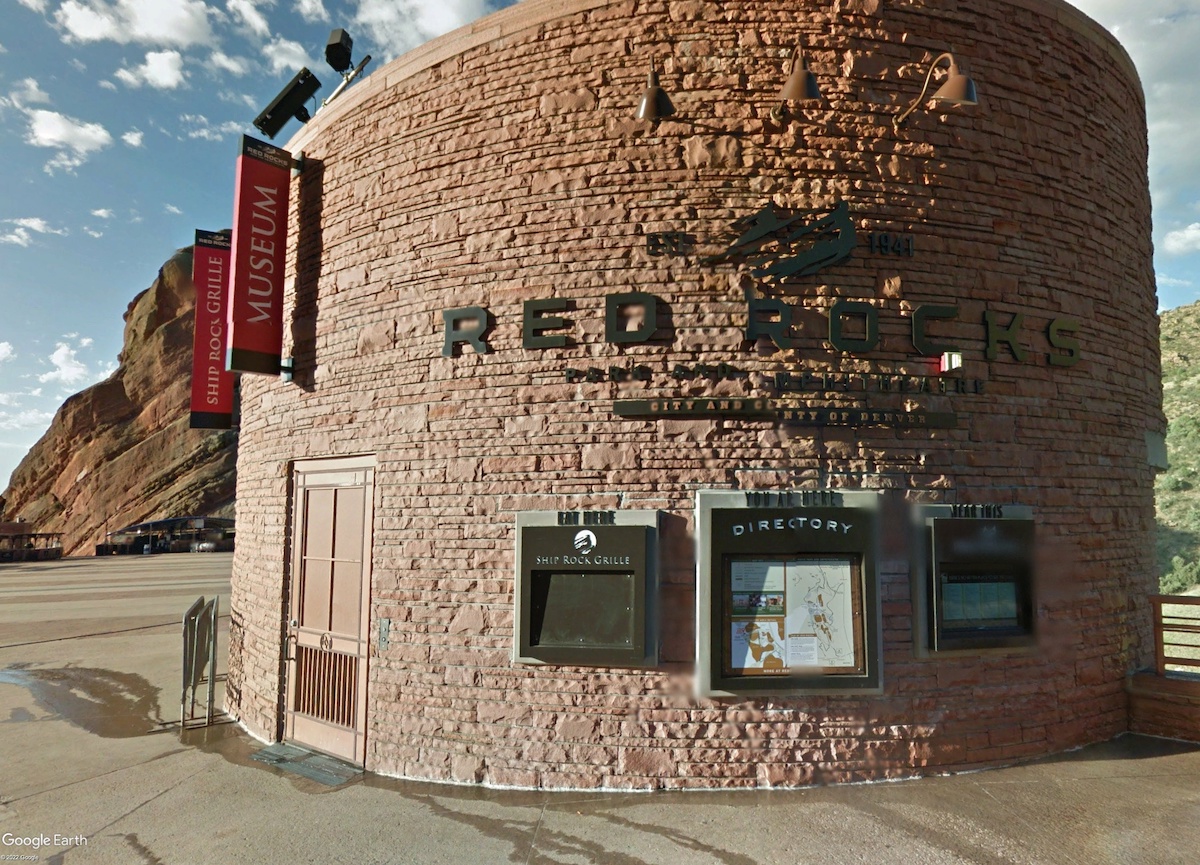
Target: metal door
[[329, 604]]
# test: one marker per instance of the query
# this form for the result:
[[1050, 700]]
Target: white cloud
[[133, 137], [3, 50], [1171, 282], [68, 369], [180, 23], [27, 419], [26, 226], [36, 223], [163, 70], [27, 92], [247, 12], [1183, 241], [17, 237], [312, 11], [173, 210], [91, 232], [240, 99], [38, 6], [203, 129], [79, 64], [224, 63], [103, 213], [284, 55], [75, 140], [108, 85], [6, 351], [86, 342], [399, 25]]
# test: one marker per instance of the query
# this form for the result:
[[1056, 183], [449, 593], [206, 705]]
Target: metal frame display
[[787, 593], [586, 588], [973, 581]]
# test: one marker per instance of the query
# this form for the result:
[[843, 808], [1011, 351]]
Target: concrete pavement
[[89, 751]]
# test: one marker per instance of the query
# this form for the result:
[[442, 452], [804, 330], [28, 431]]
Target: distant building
[[174, 535], [19, 544]]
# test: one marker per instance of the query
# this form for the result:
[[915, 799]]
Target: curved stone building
[[719, 451]]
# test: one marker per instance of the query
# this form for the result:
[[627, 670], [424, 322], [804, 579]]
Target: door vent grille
[[326, 685]]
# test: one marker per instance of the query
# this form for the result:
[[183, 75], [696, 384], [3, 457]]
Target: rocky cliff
[[121, 452]]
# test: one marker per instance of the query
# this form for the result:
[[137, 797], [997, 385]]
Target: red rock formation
[[121, 451]]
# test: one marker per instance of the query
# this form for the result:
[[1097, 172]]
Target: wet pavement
[[90, 752]]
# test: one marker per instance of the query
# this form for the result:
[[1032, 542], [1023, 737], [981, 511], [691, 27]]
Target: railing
[[199, 655], [1176, 630]]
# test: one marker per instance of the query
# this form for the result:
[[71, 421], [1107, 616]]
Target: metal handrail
[[1175, 624]]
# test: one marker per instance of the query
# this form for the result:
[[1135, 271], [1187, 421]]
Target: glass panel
[[314, 595], [318, 524], [348, 534], [592, 610], [347, 584]]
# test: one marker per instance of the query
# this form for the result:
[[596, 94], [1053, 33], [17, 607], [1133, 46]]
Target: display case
[[974, 586], [586, 588], [788, 601]]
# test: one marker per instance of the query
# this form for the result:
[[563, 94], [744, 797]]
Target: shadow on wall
[[309, 250]]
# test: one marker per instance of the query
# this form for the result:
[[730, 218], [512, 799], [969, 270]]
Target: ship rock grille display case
[[586, 588], [788, 599]]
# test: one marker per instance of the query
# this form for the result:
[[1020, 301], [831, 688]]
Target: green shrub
[[1181, 577]]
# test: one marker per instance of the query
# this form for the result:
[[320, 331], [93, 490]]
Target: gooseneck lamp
[[957, 89], [801, 86], [655, 104]]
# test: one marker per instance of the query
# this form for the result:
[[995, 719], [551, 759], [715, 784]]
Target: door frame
[[306, 730]]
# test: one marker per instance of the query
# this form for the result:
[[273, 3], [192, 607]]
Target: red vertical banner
[[212, 386], [260, 211]]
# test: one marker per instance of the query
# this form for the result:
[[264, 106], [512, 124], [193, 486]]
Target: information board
[[788, 595], [793, 614], [586, 588]]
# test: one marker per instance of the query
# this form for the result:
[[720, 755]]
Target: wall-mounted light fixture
[[288, 104], [801, 86], [957, 89], [655, 104]]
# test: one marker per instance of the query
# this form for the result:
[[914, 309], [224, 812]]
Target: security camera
[[288, 104]]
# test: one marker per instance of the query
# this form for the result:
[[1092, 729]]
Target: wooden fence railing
[[1176, 631]]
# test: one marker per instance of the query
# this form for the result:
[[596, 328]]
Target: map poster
[[758, 645], [793, 614], [821, 613]]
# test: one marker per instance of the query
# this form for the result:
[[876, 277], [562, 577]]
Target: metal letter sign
[[212, 386], [260, 209], [774, 243]]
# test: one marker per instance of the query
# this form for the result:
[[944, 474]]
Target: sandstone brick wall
[[501, 164]]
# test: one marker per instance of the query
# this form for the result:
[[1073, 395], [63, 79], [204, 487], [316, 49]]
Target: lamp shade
[[801, 84], [655, 103], [958, 89]]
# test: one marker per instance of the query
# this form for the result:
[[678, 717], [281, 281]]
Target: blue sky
[[120, 120]]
